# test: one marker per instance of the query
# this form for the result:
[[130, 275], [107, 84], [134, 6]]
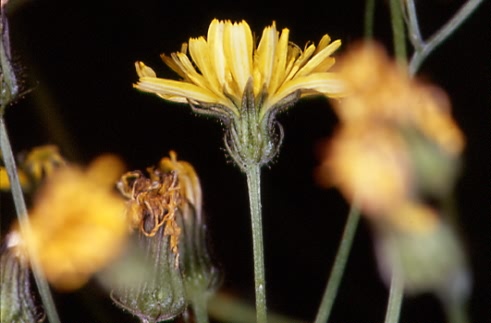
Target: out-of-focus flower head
[[397, 147], [397, 140], [77, 222], [227, 76], [38, 164], [378, 90]]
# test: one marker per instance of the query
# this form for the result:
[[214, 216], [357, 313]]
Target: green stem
[[457, 313], [253, 173], [369, 17], [200, 309], [339, 265], [446, 30], [21, 210], [395, 296], [399, 36]]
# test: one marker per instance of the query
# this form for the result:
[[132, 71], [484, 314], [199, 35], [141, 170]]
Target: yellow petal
[[325, 83], [142, 70], [238, 51], [280, 61], [171, 62], [198, 49], [264, 58], [217, 56], [179, 91], [319, 58]]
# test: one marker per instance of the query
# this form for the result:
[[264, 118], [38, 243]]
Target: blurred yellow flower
[[42, 161], [373, 164], [227, 61], [78, 223], [381, 91], [39, 163], [397, 142]]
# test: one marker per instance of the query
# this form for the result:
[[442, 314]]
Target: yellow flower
[[42, 161], [227, 76], [228, 60], [397, 143], [39, 163], [379, 90], [371, 163], [78, 223]]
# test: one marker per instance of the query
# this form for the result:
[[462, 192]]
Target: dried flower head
[[77, 222], [152, 203], [227, 76]]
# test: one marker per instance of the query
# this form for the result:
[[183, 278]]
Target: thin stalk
[[457, 313], [369, 18], [446, 30], [395, 296], [399, 35], [253, 173], [21, 210], [200, 309], [339, 265]]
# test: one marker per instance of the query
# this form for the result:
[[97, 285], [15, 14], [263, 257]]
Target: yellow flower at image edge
[[225, 75], [78, 224]]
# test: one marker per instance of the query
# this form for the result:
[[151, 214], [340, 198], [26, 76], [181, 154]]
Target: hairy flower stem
[[253, 173], [399, 35], [339, 265], [20, 206], [395, 296]]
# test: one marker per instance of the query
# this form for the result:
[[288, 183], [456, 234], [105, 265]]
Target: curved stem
[[339, 265], [21, 210], [395, 296], [421, 53], [253, 173], [399, 36]]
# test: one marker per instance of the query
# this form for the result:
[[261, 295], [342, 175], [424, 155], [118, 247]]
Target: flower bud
[[16, 298], [157, 292]]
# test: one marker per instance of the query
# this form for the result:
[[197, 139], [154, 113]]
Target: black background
[[76, 58]]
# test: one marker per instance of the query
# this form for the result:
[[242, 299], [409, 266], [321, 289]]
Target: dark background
[[76, 58]]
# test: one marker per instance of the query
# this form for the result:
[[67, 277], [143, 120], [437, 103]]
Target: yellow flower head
[[78, 223], [220, 67], [226, 75]]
